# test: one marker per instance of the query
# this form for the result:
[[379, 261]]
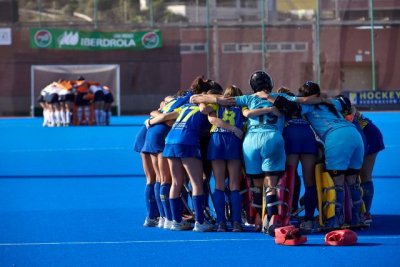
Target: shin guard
[[326, 194], [285, 189]]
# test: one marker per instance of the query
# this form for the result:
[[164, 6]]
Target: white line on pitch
[[64, 149]]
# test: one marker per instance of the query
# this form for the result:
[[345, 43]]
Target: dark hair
[[199, 85], [181, 92], [345, 103], [216, 87], [81, 78], [311, 88], [285, 90], [213, 92]]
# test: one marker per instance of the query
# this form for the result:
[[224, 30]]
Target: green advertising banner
[[82, 40]]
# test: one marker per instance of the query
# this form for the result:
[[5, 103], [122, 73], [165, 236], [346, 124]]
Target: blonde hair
[[232, 91]]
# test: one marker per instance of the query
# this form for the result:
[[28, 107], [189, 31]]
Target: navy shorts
[[155, 139], [98, 96], [225, 146], [52, 98], [40, 99], [108, 98], [81, 99], [299, 139], [374, 139], [140, 139], [181, 151]]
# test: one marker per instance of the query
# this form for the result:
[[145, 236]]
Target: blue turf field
[[74, 197]]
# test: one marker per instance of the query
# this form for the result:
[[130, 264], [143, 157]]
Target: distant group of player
[[79, 102], [262, 137]]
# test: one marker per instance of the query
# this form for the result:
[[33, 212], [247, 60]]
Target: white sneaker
[[180, 226], [204, 227], [150, 222], [161, 222], [167, 224]]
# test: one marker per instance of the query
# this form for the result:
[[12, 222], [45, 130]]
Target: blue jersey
[[372, 135], [224, 144], [268, 121], [188, 126], [229, 114], [176, 103]]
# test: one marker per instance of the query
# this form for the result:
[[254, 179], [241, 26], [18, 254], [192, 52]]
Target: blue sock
[[158, 199], [176, 209], [236, 203], [198, 203], [219, 204], [272, 210], [368, 194], [151, 204], [164, 192], [310, 202]]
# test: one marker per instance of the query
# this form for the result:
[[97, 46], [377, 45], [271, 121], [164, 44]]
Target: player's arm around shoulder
[[260, 111]]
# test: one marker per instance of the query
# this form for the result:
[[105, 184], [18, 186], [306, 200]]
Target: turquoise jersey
[[322, 120], [265, 122]]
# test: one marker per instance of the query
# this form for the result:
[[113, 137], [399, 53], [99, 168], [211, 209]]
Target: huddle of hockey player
[[79, 102], [260, 137]]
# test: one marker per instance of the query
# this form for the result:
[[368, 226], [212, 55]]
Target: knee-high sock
[[236, 203], [158, 199], [310, 202], [219, 205], [67, 117], [198, 203], [176, 209], [62, 116], [87, 114], [368, 194], [151, 204], [80, 114], [164, 192], [97, 116]]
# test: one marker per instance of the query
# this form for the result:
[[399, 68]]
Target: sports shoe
[[221, 227], [367, 218], [150, 222], [161, 222], [307, 226], [203, 227], [167, 224], [237, 227], [180, 226]]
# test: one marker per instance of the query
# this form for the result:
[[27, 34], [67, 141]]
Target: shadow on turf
[[355, 245], [383, 225]]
